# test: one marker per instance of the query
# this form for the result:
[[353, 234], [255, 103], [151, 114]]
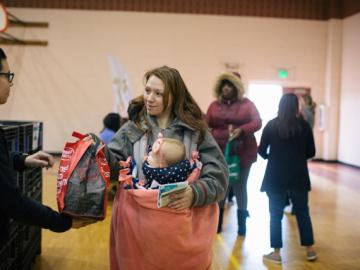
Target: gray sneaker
[[311, 255], [273, 258]]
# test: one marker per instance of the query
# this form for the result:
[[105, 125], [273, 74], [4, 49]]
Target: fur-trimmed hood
[[235, 79]]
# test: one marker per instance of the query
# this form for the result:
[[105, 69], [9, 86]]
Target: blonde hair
[[173, 151]]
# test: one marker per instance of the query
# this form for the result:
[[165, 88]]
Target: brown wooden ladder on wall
[[9, 20]]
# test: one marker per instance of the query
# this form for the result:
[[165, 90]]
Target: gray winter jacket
[[213, 182]]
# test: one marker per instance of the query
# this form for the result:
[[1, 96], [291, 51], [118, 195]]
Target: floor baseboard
[[335, 161]]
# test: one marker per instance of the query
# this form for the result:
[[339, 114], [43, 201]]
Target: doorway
[[266, 98]]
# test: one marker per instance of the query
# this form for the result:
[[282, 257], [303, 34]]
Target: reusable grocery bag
[[83, 179], [233, 162]]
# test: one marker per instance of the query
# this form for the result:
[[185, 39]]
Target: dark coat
[[287, 159], [19, 207], [241, 114]]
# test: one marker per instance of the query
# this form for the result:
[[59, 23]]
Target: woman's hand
[[39, 159], [235, 133], [182, 200]]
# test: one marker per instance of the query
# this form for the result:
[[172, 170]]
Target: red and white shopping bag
[[83, 179]]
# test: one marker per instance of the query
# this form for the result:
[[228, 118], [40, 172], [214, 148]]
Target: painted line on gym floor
[[234, 261]]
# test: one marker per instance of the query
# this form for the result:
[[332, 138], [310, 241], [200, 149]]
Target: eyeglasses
[[9, 75]]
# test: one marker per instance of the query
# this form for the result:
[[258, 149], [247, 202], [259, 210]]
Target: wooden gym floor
[[334, 205]]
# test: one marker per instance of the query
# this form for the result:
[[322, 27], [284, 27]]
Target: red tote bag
[[83, 179]]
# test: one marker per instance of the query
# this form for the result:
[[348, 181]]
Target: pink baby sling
[[145, 237]]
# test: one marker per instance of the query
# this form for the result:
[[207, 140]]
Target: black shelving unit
[[24, 242]]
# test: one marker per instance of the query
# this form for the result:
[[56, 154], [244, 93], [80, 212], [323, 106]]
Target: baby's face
[[153, 160], [160, 151], [154, 156]]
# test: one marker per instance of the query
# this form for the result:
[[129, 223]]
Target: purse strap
[[139, 154], [190, 142]]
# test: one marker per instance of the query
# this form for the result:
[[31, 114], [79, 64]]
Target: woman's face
[[227, 91], [154, 96]]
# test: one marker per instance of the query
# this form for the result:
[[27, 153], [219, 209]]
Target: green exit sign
[[283, 73]]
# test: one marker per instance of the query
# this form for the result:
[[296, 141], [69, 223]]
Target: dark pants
[[239, 189], [276, 208]]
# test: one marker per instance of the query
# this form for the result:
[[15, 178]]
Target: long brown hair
[[287, 121], [184, 106]]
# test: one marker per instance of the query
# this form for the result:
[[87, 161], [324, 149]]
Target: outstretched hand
[[39, 159], [182, 200]]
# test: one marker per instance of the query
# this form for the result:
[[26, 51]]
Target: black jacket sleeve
[[21, 208], [18, 161], [264, 142]]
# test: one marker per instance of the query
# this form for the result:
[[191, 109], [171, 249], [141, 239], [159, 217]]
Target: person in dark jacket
[[13, 204], [287, 142], [233, 115]]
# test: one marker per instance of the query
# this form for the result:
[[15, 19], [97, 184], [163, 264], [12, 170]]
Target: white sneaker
[[273, 258]]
